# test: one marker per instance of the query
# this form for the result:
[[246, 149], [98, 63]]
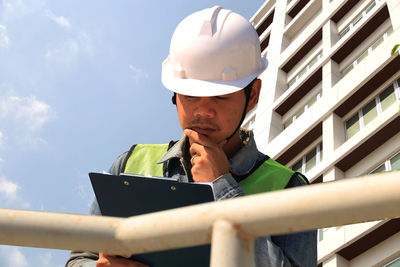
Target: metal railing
[[230, 225]]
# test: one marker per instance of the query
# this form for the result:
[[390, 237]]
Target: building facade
[[330, 106]]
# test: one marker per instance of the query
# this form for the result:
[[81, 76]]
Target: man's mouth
[[204, 130], [203, 126]]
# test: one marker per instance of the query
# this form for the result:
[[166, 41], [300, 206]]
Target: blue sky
[[79, 84]]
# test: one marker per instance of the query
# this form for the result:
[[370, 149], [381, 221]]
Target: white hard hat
[[213, 52]]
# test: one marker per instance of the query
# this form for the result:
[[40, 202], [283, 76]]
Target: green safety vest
[[269, 176]]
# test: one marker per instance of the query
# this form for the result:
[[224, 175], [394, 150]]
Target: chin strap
[[173, 99], [247, 92]]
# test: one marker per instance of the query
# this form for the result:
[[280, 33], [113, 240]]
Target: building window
[[370, 112], [302, 110], [303, 71], [366, 52], [373, 109], [390, 164], [358, 18], [395, 263], [309, 161], [320, 234]]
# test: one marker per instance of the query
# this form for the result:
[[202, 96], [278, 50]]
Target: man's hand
[[209, 160], [106, 260]]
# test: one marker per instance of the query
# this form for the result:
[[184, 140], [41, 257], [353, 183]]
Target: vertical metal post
[[230, 247]]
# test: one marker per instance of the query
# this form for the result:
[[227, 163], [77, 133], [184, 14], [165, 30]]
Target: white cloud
[[137, 73], [69, 52], [4, 40], [85, 41], [65, 51], [15, 9], [31, 112], [46, 258], [12, 257], [10, 197], [22, 118], [8, 189], [60, 20], [11, 6], [1, 140]]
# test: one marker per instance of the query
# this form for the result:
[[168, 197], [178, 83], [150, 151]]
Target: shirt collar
[[245, 159], [176, 151]]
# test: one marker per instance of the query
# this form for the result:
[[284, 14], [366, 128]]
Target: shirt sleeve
[[297, 249], [226, 187], [87, 258], [294, 249]]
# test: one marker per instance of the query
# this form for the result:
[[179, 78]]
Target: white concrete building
[[330, 106]]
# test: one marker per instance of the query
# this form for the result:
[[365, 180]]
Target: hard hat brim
[[201, 88]]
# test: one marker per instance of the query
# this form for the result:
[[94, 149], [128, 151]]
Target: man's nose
[[204, 108]]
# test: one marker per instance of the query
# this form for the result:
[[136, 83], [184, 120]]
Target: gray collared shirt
[[297, 249]]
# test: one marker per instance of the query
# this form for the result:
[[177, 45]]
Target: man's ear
[[254, 95]]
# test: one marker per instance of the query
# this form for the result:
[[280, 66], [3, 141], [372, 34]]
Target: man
[[212, 70]]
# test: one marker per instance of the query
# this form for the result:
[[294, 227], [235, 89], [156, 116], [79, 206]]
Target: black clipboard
[[131, 195]]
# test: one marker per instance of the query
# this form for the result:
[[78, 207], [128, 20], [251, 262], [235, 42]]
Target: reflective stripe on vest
[[269, 176]]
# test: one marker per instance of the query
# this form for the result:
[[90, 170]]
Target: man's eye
[[221, 97]]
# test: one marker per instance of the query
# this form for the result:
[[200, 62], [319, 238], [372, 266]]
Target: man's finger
[[195, 137], [125, 256], [197, 149], [193, 158], [114, 260]]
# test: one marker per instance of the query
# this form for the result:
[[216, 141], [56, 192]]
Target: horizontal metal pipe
[[323, 205], [337, 203], [57, 230]]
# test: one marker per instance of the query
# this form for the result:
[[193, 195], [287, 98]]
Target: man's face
[[215, 117]]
